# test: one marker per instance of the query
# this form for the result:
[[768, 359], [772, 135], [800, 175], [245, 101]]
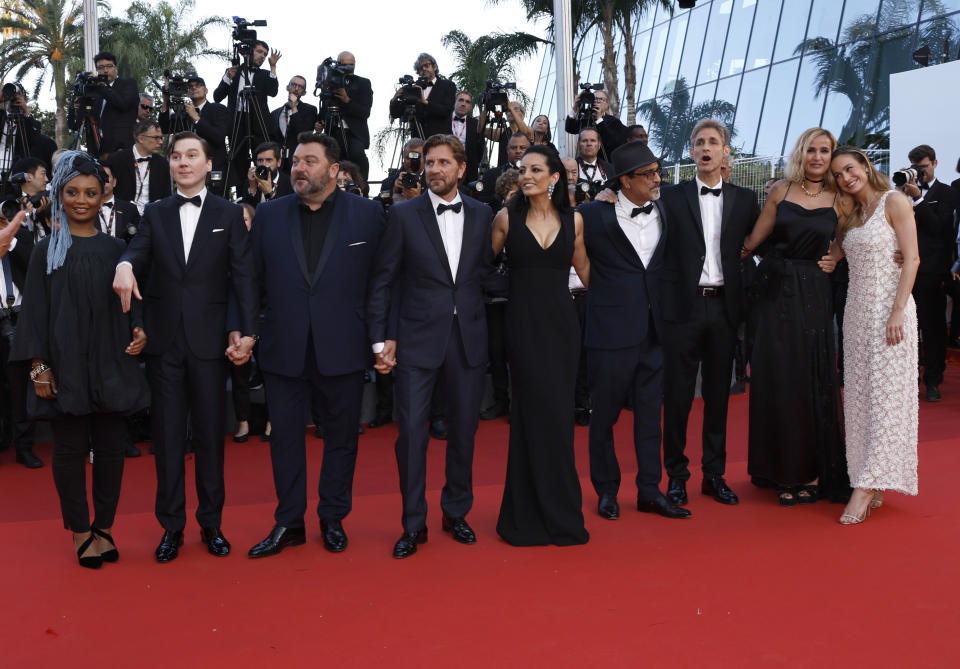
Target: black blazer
[[30, 141], [612, 132], [20, 258], [623, 293], [936, 236], [119, 115], [213, 126], [686, 248], [266, 86], [193, 291], [125, 172], [434, 117], [473, 148], [357, 111], [125, 214], [302, 121]]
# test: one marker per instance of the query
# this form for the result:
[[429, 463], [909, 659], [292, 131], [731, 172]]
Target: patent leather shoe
[[677, 492], [169, 543], [279, 538], [459, 530], [608, 507], [438, 429], [662, 506], [217, 544], [407, 543], [716, 487], [334, 538], [29, 459]]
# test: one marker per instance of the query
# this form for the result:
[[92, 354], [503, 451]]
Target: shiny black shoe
[[438, 429], [661, 505], [217, 544], [407, 543], [334, 538], [459, 530], [167, 550], [494, 411], [716, 487], [380, 421], [131, 451], [608, 507], [29, 459], [933, 393], [677, 492], [279, 538], [111, 555]]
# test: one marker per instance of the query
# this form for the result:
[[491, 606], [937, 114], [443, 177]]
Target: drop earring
[[550, 189]]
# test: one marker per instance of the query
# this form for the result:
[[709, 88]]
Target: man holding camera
[[210, 120], [933, 205], [294, 117], [436, 102], [31, 175], [142, 174], [20, 134], [116, 115], [611, 130], [354, 102], [267, 181], [409, 182]]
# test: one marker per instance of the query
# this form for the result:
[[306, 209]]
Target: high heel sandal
[[850, 519], [90, 561], [808, 494], [877, 500], [787, 495], [111, 555]]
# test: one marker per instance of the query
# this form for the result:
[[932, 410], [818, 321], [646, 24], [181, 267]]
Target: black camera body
[[331, 75], [262, 172], [8, 323], [410, 89], [10, 91], [495, 94], [585, 112], [244, 38], [177, 90], [351, 187], [409, 180], [584, 188]]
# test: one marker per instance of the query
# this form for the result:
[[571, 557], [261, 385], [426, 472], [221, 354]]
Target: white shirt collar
[[628, 205], [202, 194], [701, 184], [436, 199]]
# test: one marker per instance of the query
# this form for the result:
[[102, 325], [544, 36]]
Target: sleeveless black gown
[[542, 500], [796, 419]]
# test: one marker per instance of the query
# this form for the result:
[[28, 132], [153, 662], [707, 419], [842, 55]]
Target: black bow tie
[[181, 200], [713, 191], [109, 205], [924, 186], [641, 210], [143, 160], [453, 207], [461, 119]]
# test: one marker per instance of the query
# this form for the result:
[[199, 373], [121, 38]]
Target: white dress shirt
[[243, 83], [459, 128], [142, 173], [597, 174], [108, 217], [189, 217], [711, 213], [923, 194], [451, 230], [3, 280], [643, 230]]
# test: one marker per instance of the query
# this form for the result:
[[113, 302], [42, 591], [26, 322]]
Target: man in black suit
[[437, 99], [611, 130], [37, 180], [210, 120], [702, 306], [293, 118], [627, 244], [593, 168], [142, 174], [116, 112], [464, 126], [276, 185], [195, 251], [20, 134], [118, 218], [425, 309], [354, 102], [933, 206]]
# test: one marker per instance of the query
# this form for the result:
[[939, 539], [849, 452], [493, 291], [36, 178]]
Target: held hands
[[895, 328], [239, 349], [387, 358], [139, 341], [125, 285], [898, 258]]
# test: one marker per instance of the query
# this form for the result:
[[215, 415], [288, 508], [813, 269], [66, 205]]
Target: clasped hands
[[240, 348], [386, 359]]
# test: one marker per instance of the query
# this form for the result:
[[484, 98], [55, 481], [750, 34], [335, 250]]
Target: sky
[[385, 36]]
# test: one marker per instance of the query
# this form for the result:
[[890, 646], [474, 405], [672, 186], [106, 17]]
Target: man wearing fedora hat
[[626, 242]]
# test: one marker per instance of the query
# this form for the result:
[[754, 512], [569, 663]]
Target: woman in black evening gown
[[542, 498], [796, 422], [85, 373]]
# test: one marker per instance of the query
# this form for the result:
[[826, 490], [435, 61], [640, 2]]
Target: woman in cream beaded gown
[[879, 336]]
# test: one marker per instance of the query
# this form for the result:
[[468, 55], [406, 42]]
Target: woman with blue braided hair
[[83, 349]]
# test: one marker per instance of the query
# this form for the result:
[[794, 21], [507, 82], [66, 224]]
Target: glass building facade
[[769, 68]]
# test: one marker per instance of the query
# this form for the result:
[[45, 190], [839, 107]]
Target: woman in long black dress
[[796, 421], [542, 499], [85, 373]]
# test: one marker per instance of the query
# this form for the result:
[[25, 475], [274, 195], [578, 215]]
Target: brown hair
[[875, 179], [451, 141], [918, 153], [186, 134]]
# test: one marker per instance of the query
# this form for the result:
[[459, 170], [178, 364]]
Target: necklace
[[804, 188]]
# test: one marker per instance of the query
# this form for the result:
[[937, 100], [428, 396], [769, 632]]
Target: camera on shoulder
[[331, 75], [585, 112]]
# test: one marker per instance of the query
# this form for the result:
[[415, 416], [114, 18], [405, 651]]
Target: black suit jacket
[[686, 248], [302, 121], [213, 126], [356, 112], [266, 86], [612, 132], [119, 116], [936, 237], [605, 166], [125, 172], [30, 141], [193, 291], [473, 147], [434, 117], [20, 258], [125, 215]]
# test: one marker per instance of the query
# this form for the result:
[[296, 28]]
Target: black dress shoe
[[167, 550], [380, 421], [438, 429], [29, 459], [933, 393], [407, 543], [131, 451], [494, 411], [677, 492], [334, 538], [663, 506], [217, 544], [717, 488], [279, 538], [581, 417], [608, 507], [459, 530]]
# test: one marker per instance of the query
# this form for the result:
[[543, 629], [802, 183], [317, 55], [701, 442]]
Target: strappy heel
[[808, 494], [90, 561], [877, 500], [111, 555]]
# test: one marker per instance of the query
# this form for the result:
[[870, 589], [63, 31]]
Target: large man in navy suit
[[626, 242], [426, 315], [312, 254]]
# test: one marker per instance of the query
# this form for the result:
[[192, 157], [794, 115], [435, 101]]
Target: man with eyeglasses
[[207, 118], [142, 174], [117, 114], [294, 117]]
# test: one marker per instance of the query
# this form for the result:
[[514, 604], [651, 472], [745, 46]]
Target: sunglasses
[[146, 106]]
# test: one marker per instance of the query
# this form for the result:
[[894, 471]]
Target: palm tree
[[489, 57], [671, 118]]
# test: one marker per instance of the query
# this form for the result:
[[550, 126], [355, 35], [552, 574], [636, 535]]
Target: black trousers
[[581, 391], [14, 380], [240, 390], [464, 392], [184, 385], [384, 388], [613, 375], [952, 287], [931, 299], [706, 340], [497, 346], [73, 436]]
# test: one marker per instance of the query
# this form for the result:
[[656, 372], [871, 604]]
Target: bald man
[[354, 102]]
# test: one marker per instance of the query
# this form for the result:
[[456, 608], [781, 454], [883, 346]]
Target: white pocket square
[[217, 230], [356, 244]]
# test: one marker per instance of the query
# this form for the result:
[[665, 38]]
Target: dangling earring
[[550, 189]]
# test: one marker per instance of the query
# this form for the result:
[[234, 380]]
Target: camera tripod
[[408, 125], [333, 126], [247, 94], [85, 127]]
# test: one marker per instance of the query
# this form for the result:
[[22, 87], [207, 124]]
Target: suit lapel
[[662, 242], [619, 237], [432, 228], [729, 196], [292, 219], [470, 224], [693, 201], [171, 215]]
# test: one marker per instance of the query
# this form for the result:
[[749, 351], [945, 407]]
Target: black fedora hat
[[631, 156]]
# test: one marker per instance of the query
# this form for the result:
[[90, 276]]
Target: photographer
[[933, 205], [210, 120], [354, 102], [116, 115], [294, 117], [34, 198], [611, 130], [436, 102], [266, 181], [20, 134], [514, 115], [463, 125], [142, 174], [409, 182]]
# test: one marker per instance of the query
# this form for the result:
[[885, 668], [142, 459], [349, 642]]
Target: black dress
[[796, 420], [542, 499]]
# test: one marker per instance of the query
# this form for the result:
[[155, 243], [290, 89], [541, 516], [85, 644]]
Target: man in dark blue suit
[[626, 242], [425, 309], [312, 255]]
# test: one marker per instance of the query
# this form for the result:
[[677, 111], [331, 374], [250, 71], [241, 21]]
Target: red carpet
[[748, 586]]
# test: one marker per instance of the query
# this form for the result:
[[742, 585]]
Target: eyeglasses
[[105, 66], [647, 174], [298, 85], [146, 107]]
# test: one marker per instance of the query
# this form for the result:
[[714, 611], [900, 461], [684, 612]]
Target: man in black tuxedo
[[118, 218], [627, 244], [276, 185], [293, 118], [611, 130], [933, 206], [116, 113], [702, 307], [20, 134], [312, 255], [425, 310], [593, 168], [437, 99], [142, 174], [354, 102], [210, 120], [464, 126], [194, 249]]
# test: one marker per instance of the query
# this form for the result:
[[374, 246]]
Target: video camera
[[244, 38], [177, 89], [411, 89], [331, 75], [351, 187], [10, 92], [88, 83], [10, 206], [913, 173], [585, 112], [495, 94]]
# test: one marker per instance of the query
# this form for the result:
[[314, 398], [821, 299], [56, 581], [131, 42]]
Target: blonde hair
[[875, 179], [794, 169]]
